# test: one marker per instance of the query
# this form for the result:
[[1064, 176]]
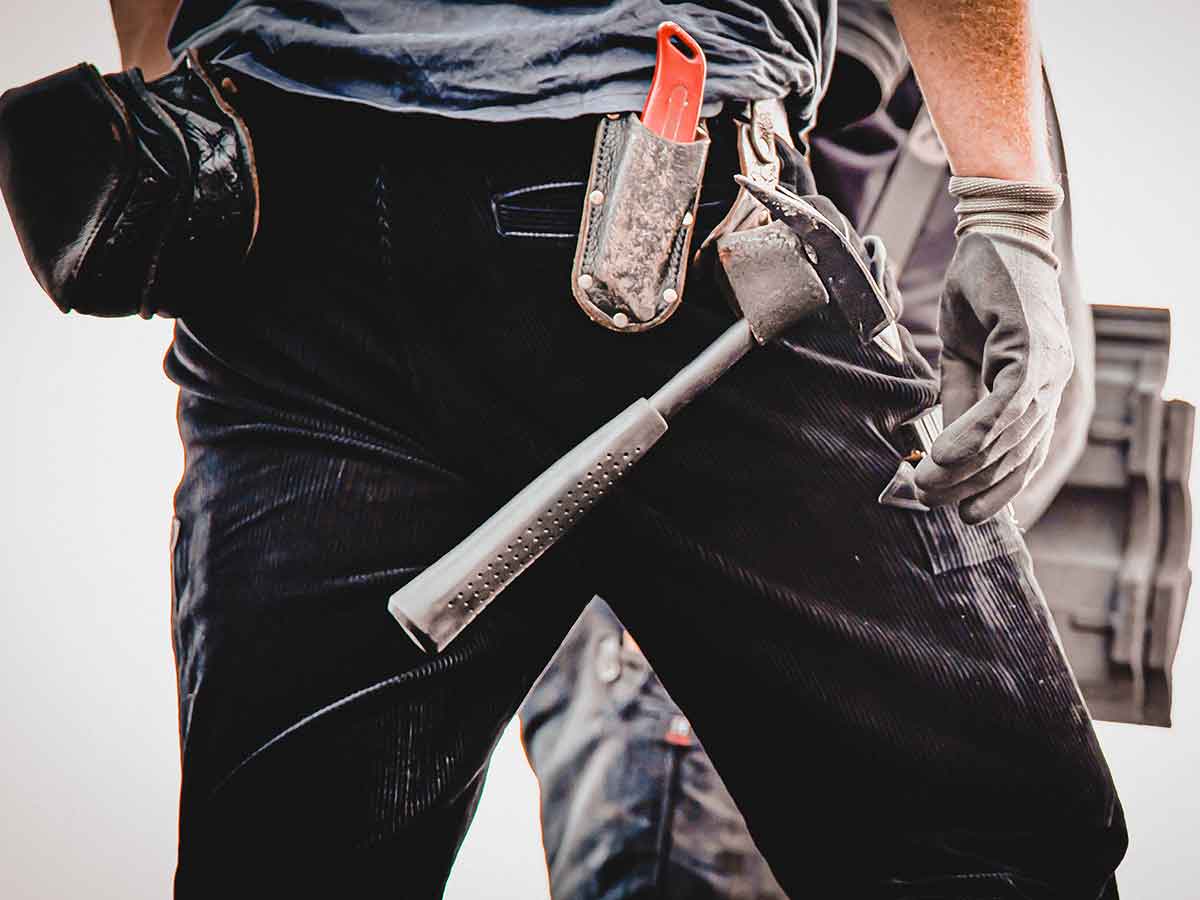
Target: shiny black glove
[[128, 197]]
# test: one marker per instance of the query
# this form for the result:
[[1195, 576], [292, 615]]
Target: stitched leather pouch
[[127, 197], [631, 258]]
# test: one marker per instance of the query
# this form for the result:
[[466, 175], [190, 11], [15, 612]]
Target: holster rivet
[[585, 281], [620, 320], [670, 295], [596, 198]]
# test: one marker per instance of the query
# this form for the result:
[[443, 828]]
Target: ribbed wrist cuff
[[1024, 208]]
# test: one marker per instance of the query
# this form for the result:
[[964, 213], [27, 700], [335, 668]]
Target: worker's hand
[[1006, 358]]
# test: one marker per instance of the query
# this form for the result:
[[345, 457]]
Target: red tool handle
[[672, 107]]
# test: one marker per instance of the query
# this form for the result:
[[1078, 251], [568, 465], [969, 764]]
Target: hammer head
[[768, 280], [780, 273]]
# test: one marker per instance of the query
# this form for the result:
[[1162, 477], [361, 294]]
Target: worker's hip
[[381, 234], [411, 280], [405, 349]]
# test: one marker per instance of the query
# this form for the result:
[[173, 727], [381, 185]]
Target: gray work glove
[[1006, 353]]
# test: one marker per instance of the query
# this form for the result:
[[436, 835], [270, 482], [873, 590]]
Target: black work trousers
[[882, 690]]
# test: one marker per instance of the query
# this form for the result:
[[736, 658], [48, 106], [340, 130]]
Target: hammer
[[775, 276]]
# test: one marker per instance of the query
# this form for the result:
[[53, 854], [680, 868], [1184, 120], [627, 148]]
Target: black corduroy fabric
[[881, 689]]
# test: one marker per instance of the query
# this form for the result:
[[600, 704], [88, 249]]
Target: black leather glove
[[128, 197]]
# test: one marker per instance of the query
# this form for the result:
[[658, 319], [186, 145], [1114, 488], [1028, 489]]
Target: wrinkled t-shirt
[[503, 61]]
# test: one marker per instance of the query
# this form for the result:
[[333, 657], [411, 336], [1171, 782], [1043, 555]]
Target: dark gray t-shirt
[[501, 61]]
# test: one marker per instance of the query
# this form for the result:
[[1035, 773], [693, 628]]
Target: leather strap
[[908, 192]]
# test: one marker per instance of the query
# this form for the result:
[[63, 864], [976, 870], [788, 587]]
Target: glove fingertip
[[973, 512], [950, 452]]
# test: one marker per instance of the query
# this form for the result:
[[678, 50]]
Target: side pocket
[[550, 211], [950, 544]]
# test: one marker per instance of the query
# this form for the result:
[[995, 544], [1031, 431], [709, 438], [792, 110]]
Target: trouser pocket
[[546, 211]]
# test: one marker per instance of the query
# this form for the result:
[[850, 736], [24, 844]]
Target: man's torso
[[514, 60]]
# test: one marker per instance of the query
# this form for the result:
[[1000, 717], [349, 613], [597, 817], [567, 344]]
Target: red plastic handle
[[672, 107]]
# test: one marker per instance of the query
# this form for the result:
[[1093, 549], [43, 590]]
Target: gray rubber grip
[[440, 602]]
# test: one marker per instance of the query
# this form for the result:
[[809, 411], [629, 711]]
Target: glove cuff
[[1021, 208]]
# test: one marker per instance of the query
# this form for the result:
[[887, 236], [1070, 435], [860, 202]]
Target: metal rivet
[[670, 295], [687, 219], [596, 198], [585, 281], [620, 320]]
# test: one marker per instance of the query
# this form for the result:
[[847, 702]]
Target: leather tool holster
[[128, 197], [638, 218]]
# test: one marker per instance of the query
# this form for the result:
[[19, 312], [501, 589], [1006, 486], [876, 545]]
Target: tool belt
[[640, 212], [631, 257], [638, 218], [126, 196]]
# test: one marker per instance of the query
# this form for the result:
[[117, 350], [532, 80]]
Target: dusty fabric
[[513, 60]]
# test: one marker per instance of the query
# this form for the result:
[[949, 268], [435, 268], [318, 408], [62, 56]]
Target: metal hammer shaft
[[439, 603], [776, 275]]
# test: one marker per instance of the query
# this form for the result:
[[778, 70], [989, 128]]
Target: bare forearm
[[979, 67], [142, 27]]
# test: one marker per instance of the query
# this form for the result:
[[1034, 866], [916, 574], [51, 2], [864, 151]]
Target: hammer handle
[[439, 603]]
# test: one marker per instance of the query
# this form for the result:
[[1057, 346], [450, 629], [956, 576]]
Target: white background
[[89, 457]]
